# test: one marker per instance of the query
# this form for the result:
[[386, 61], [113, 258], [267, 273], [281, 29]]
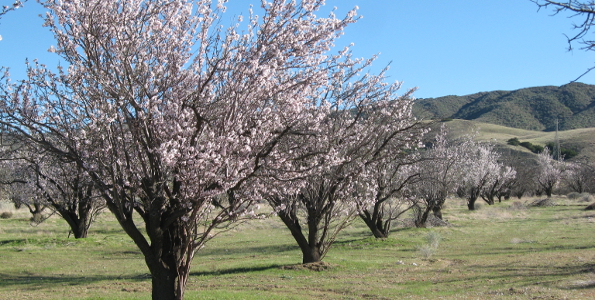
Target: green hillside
[[581, 140], [534, 108]]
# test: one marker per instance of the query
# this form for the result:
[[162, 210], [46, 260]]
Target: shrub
[[6, 215], [426, 251], [566, 153], [542, 203], [531, 147], [587, 198], [517, 205], [513, 141], [573, 195], [433, 238]]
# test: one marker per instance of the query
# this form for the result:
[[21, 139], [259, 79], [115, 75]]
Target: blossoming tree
[[364, 125], [39, 179], [483, 170], [550, 172], [440, 173], [165, 111]]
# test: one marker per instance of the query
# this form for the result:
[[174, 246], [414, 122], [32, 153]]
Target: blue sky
[[454, 47]]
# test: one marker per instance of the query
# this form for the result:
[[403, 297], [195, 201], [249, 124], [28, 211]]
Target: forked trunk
[[79, 226], [166, 257], [424, 217], [310, 253], [375, 224], [80, 232]]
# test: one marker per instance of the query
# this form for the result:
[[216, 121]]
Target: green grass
[[496, 252]]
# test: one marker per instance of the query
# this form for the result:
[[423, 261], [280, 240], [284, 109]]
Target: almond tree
[[501, 186], [10, 7], [39, 180], [440, 173], [580, 176], [550, 172], [482, 170], [17, 190], [389, 182], [364, 124], [165, 111]]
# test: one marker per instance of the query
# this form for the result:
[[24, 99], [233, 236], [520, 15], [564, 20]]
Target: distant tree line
[[565, 153]]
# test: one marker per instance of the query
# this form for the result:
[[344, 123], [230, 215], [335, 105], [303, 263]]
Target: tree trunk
[[79, 226], [471, 204], [310, 252], [163, 283], [437, 211], [163, 255], [421, 219], [376, 225], [37, 211], [548, 191], [472, 197], [80, 232], [311, 255]]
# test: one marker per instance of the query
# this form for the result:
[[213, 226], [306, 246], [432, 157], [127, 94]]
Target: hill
[[535, 108], [582, 140]]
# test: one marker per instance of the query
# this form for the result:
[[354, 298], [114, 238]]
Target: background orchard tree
[[15, 179], [482, 171], [365, 124], [389, 199], [440, 173], [580, 176], [501, 186], [550, 172], [39, 180], [165, 111], [18, 191]]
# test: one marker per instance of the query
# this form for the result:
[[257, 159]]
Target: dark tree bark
[[437, 211], [311, 250], [36, 209], [164, 256], [433, 204], [374, 221], [472, 198], [380, 216]]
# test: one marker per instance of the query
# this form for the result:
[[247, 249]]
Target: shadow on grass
[[15, 242], [522, 275], [581, 286], [35, 281], [236, 270], [531, 247], [41, 242], [218, 251]]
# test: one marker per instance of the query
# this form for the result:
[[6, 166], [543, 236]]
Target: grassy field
[[505, 251]]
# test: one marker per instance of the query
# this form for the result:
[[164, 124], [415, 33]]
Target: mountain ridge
[[533, 108]]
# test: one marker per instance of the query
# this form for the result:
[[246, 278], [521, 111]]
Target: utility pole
[[557, 152]]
